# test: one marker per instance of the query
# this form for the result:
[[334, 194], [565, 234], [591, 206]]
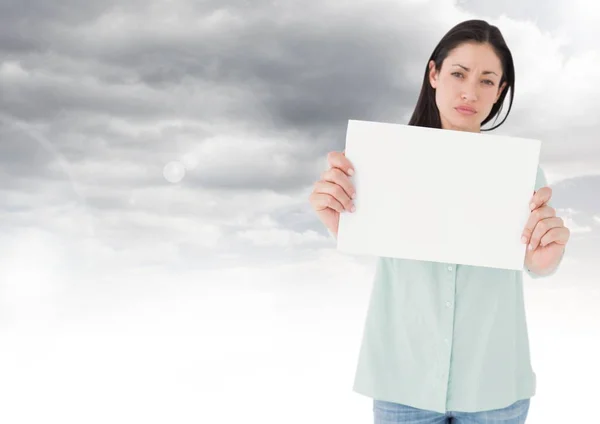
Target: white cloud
[[280, 237], [574, 228]]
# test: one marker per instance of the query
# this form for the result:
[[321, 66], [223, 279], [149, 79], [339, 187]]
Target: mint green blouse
[[446, 337]]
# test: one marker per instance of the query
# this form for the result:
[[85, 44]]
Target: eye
[[489, 82], [457, 74]]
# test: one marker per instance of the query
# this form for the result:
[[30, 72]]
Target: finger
[[535, 216], [542, 228], [321, 201], [336, 192], [339, 160], [540, 197], [337, 176], [558, 235]]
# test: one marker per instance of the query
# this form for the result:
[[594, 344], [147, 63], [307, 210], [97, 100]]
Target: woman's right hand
[[334, 192]]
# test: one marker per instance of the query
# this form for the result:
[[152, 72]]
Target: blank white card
[[438, 195]]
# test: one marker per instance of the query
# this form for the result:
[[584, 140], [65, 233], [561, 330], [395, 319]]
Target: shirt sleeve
[[540, 182]]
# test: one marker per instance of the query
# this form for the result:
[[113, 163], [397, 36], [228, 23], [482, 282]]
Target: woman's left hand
[[545, 234]]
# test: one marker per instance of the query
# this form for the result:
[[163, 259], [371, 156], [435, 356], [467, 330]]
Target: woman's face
[[469, 77]]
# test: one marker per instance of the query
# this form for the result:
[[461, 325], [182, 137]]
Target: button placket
[[450, 268], [447, 340]]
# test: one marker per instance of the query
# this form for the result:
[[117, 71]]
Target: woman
[[448, 342]]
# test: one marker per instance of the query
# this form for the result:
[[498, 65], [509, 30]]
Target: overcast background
[[160, 260]]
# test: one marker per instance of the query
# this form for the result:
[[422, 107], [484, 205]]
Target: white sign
[[438, 195]]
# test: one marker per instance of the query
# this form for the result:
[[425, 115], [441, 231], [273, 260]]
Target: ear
[[432, 74], [500, 91]]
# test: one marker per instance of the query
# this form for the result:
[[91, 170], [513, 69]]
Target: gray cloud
[[250, 96], [580, 194], [298, 75]]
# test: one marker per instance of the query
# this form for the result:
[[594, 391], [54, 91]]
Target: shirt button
[[449, 268], [448, 304]]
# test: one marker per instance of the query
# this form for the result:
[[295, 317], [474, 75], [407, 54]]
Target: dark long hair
[[426, 113]]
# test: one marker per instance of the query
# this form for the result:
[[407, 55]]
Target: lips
[[466, 110]]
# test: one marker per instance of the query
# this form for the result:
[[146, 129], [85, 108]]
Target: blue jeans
[[395, 413]]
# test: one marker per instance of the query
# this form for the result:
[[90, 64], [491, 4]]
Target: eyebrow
[[468, 70]]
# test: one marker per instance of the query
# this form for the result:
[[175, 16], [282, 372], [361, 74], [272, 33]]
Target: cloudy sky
[[159, 252]]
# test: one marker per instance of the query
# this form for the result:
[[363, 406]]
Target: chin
[[464, 122], [463, 125]]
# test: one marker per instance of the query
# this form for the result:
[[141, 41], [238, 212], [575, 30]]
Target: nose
[[469, 95]]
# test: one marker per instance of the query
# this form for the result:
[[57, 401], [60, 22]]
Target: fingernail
[[531, 247], [531, 206], [523, 239], [353, 208], [351, 171], [354, 195]]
